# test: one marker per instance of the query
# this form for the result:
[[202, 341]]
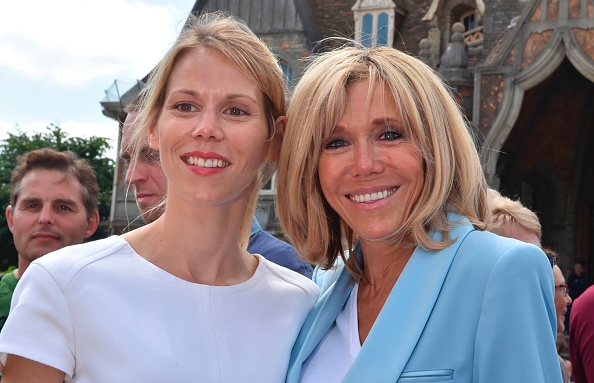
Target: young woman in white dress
[[180, 299]]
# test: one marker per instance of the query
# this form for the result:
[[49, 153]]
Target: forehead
[[208, 71], [558, 275], [48, 185], [367, 100]]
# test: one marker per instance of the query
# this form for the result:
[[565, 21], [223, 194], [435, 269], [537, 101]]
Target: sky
[[57, 59]]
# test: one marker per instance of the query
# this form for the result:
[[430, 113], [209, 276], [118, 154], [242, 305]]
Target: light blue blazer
[[482, 310]]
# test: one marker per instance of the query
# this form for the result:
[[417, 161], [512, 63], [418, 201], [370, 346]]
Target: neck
[[23, 266], [383, 264], [198, 244]]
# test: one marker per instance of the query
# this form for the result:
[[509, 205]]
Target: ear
[[153, 138], [9, 217], [274, 145], [281, 124], [92, 224]]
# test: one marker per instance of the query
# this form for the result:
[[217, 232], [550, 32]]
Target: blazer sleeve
[[515, 339]]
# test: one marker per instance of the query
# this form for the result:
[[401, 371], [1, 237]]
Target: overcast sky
[[58, 57]]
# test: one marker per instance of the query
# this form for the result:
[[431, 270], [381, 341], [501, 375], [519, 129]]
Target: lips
[[45, 236]]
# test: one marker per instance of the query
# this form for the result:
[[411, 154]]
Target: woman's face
[[370, 172], [561, 300], [212, 130]]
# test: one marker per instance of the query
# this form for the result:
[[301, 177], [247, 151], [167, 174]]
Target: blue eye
[[391, 135], [336, 143]]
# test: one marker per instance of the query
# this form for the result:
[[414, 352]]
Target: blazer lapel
[[401, 321], [319, 321]]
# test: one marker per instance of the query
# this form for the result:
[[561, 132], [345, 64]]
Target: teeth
[[206, 163], [372, 196]]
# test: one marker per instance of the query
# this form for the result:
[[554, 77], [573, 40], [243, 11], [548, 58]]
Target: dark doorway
[[547, 160]]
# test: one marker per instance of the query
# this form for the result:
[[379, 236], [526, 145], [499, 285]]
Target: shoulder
[[268, 245], [279, 252], [584, 301], [290, 279], [488, 248], [65, 263]]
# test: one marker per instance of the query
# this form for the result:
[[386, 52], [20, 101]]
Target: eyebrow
[[65, 201], [230, 96]]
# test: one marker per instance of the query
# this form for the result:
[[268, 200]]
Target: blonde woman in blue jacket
[[380, 184]]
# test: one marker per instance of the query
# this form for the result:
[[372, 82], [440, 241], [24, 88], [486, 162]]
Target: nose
[[568, 300], [366, 160], [208, 125], [46, 215], [135, 173]]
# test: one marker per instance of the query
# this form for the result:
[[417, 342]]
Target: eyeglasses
[[564, 289], [552, 259]]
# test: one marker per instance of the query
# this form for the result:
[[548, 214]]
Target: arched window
[[367, 30], [374, 22], [382, 29]]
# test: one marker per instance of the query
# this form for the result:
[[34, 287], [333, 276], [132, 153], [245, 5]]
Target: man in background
[[53, 204], [150, 189]]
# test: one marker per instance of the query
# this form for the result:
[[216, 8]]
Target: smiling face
[[370, 172], [212, 131], [49, 214]]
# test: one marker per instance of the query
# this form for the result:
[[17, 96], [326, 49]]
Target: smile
[[371, 197], [206, 163]]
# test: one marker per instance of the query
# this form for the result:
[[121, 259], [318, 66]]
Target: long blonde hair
[[233, 38], [454, 180]]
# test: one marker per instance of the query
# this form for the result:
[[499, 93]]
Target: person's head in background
[[143, 171], [218, 34], [513, 220], [53, 203], [578, 268], [562, 298]]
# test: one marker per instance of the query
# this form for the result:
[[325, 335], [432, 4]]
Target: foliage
[[93, 150]]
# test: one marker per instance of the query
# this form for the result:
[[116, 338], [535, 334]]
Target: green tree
[[93, 150]]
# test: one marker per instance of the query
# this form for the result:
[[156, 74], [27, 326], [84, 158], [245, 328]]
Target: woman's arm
[[18, 369]]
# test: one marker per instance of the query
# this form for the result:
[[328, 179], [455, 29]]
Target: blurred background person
[[53, 204], [581, 337], [577, 284]]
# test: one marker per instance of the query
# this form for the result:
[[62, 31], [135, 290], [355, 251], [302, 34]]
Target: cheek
[[559, 302], [326, 174]]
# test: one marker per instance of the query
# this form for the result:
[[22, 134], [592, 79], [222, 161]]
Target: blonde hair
[[505, 210], [453, 181], [232, 38]]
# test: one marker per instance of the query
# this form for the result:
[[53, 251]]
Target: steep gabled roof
[[268, 16]]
